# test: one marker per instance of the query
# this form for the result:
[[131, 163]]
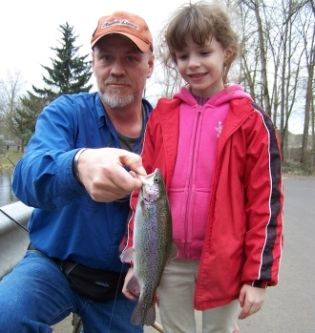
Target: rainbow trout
[[152, 241]]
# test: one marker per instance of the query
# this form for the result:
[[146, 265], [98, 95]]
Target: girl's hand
[[131, 287], [251, 300]]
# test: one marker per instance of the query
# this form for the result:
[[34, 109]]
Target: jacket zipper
[[190, 181]]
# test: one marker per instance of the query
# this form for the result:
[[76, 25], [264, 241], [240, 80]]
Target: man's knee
[[10, 316]]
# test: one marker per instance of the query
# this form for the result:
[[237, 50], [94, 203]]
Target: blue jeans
[[36, 295]]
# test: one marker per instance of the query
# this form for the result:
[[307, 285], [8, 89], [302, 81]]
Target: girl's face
[[202, 66]]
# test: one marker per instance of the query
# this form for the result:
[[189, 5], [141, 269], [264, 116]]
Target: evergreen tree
[[69, 73], [21, 120]]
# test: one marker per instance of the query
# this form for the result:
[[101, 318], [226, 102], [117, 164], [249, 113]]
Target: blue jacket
[[66, 223]]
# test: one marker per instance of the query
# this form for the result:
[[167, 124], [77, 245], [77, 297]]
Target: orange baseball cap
[[130, 25]]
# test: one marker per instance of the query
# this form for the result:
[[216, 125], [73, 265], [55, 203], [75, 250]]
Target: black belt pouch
[[96, 284]]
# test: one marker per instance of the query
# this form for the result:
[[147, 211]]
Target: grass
[[295, 168], [9, 158]]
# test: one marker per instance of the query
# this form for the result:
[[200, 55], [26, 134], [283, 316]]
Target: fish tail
[[141, 316]]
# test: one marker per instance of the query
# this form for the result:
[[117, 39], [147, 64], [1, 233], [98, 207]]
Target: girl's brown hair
[[201, 21]]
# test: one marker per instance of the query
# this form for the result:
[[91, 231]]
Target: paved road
[[289, 307]]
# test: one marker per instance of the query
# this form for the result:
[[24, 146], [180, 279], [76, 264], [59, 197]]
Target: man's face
[[121, 70]]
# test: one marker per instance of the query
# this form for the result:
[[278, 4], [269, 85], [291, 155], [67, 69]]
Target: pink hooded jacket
[[190, 189]]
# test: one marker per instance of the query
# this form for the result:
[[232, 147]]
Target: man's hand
[[251, 300], [103, 173]]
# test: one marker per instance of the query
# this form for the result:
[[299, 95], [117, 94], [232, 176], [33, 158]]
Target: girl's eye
[[181, 56], [205, 52]]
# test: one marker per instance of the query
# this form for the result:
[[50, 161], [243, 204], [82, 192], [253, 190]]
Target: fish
[[153, 246]]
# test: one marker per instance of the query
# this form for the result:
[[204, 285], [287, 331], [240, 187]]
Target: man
[[78, 178]]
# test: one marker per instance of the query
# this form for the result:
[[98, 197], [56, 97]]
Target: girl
[[220, 160]]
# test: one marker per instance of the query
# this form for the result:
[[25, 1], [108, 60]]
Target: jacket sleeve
[[44, 177], [264, 204]]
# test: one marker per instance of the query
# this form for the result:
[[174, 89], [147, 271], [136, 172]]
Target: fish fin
[[141, 317], [150, 315], [127, 255]]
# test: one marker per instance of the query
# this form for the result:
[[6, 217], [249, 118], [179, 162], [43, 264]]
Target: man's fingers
[[105, 173], [127, 181], [133, 162]]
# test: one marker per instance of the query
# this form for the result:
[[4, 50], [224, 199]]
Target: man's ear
[[92, 58], [150, 65]]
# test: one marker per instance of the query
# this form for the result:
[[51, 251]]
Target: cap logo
[[122, 22]]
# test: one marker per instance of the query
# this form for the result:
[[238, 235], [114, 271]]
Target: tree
[[10, 88], [23, 118], [273, 58], [69, 72], [308, 36], [276, 64]]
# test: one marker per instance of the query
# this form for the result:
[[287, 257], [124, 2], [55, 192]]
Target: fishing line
[[155, 325], [115, 299], [14, 220]]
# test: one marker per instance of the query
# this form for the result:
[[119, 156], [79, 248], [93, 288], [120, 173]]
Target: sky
[[29, 29]]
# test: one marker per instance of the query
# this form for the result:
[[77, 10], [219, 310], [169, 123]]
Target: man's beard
[[115, 101]]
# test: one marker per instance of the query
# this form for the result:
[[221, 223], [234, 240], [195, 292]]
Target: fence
[[13, 239]]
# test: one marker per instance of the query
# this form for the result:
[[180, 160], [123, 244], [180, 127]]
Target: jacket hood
[[224, 96]]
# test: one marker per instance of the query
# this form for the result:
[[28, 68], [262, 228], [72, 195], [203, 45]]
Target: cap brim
[[141, 45]]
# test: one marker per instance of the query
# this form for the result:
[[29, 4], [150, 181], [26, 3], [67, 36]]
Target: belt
[[66, 266], [57, 261]]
